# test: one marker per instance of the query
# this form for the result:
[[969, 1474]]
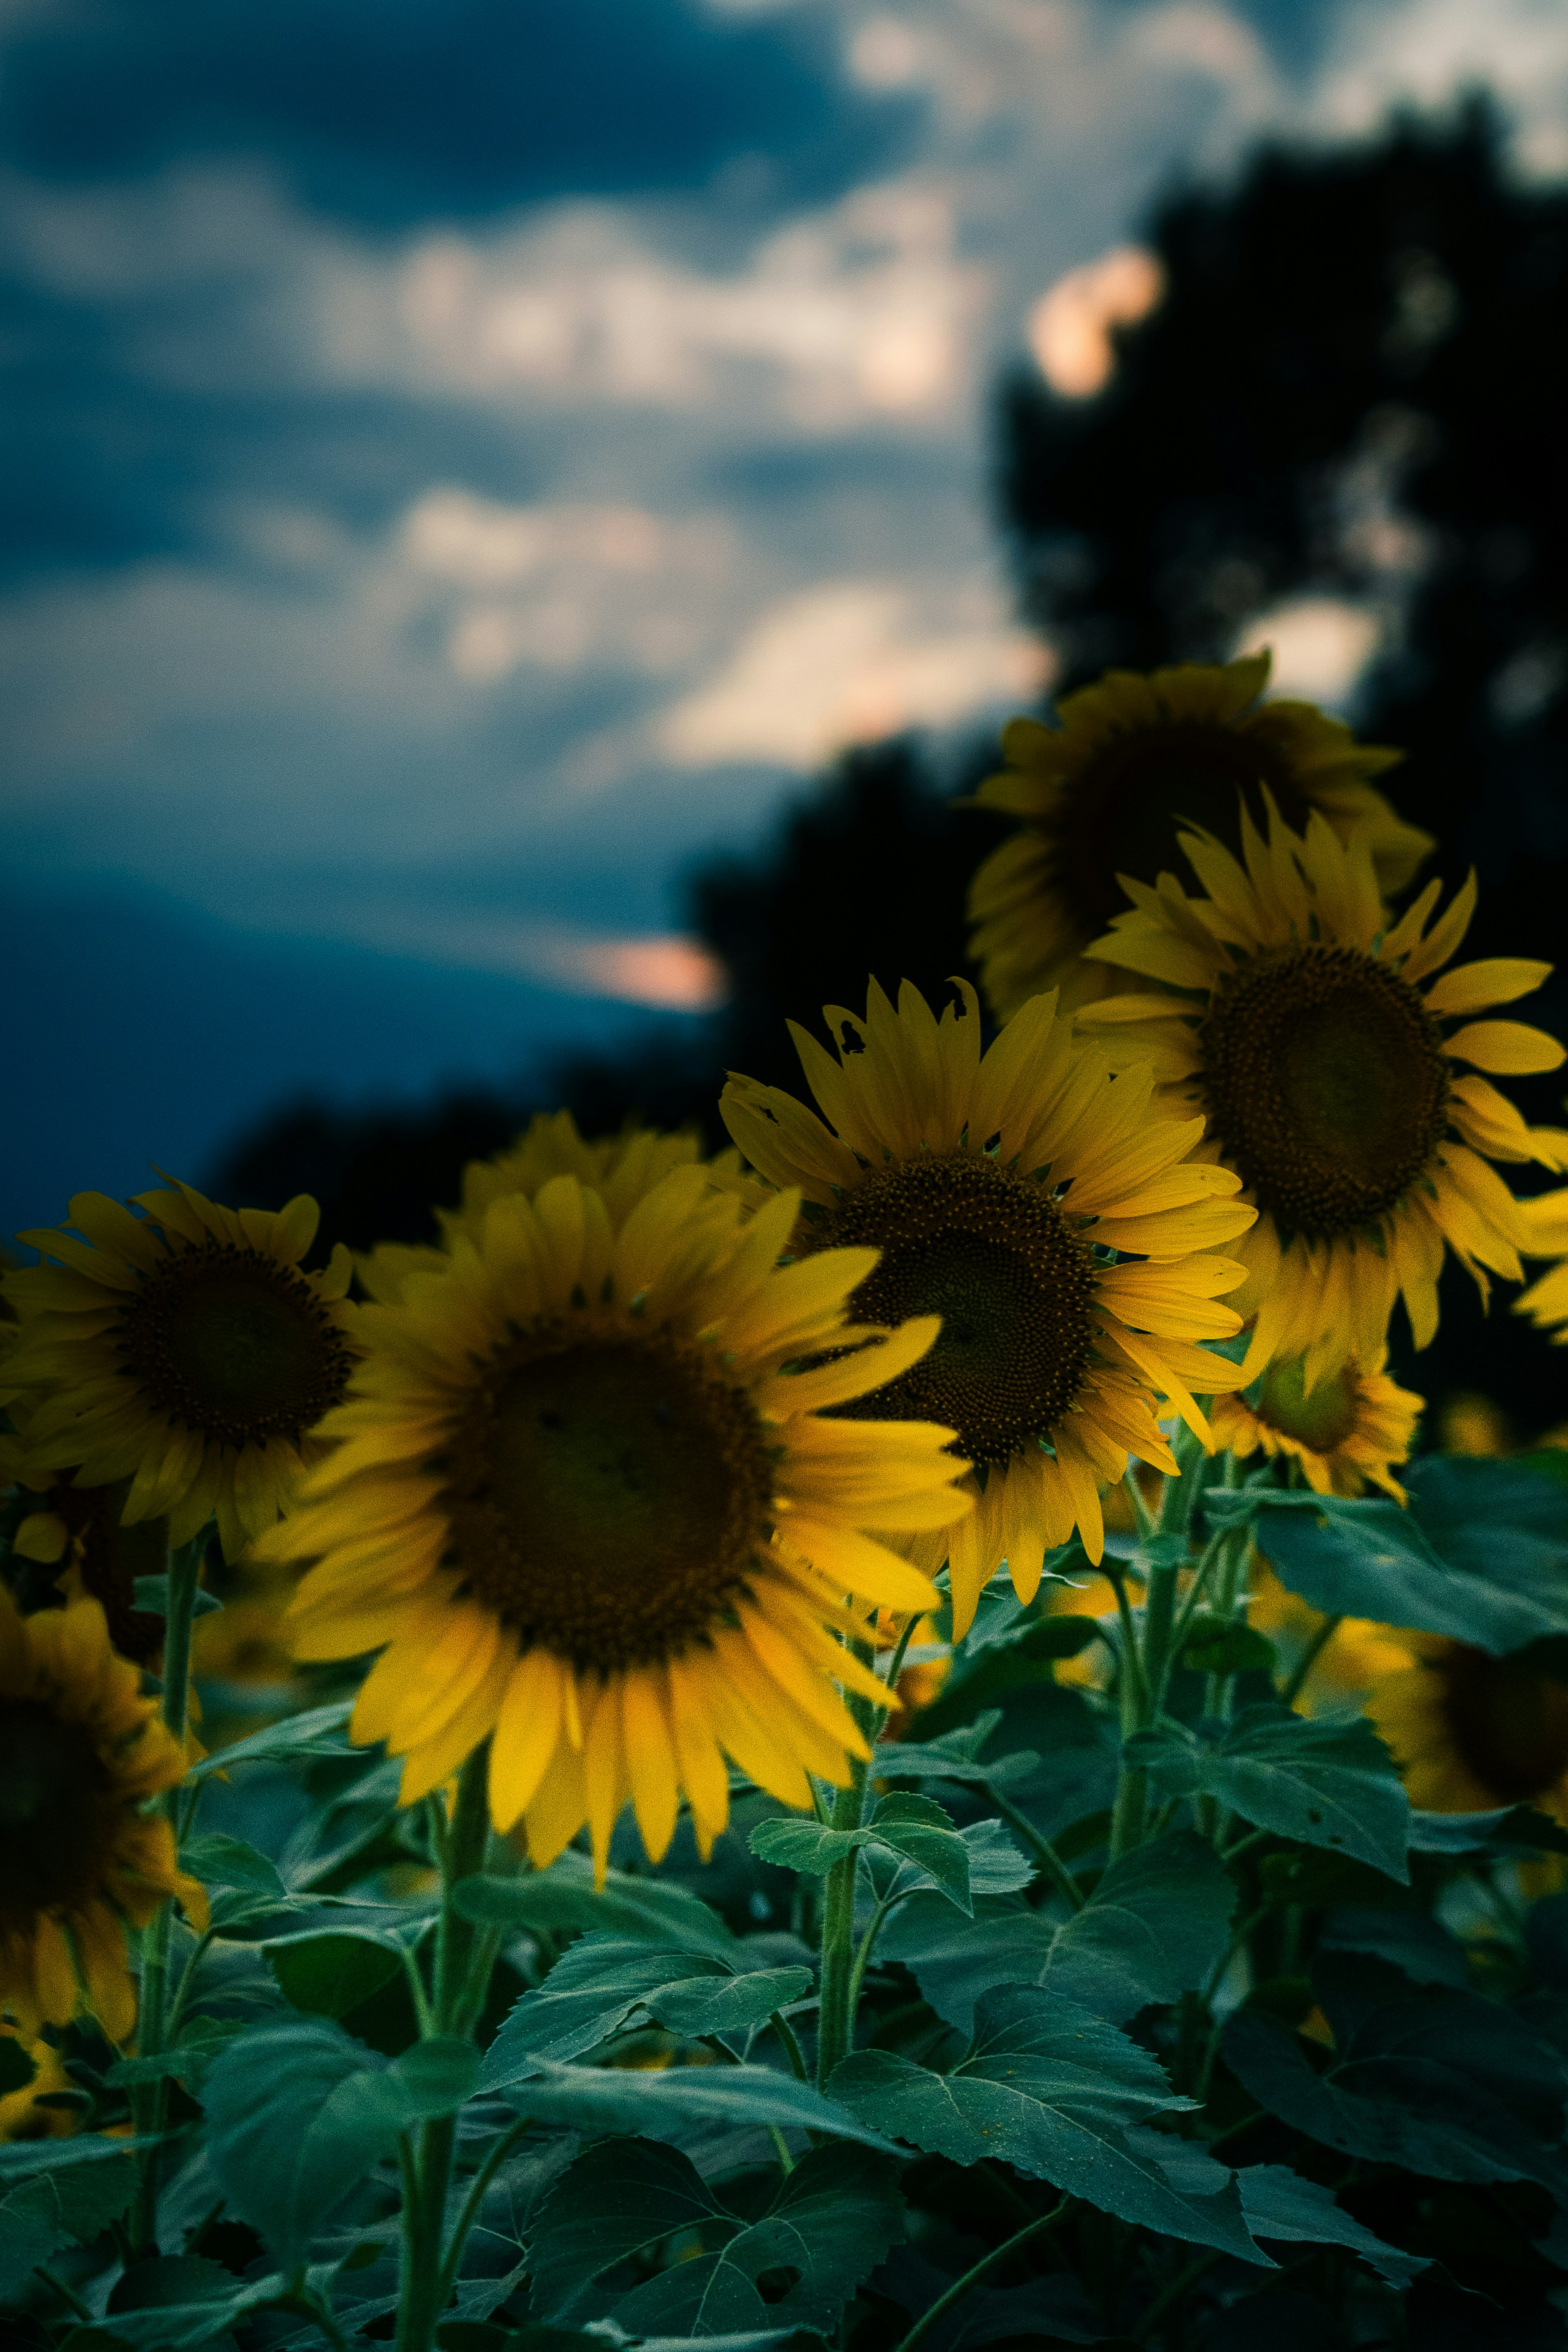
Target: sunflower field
[[898, 1737]]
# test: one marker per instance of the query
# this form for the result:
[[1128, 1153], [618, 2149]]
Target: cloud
[[1320, 647], [1424, 51], [1070, 327], [849, 661], [384, 111]]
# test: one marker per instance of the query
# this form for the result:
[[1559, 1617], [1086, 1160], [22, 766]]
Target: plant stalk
[[150, 2101], [836, 2015], [981, 2269]]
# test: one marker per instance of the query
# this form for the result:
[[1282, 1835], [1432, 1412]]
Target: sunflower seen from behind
[[1059, 1226], [584, 1509], [1343, 1076], [1103, 794], [81, 1752], [185, 1351]]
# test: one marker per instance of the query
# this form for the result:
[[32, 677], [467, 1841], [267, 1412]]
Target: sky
[[468, 459]]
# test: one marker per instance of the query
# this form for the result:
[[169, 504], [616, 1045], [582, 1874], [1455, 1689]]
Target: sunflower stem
[[150, 2101], [835, 2016], [459, 1845]]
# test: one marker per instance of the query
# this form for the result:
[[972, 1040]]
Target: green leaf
[[169, 2283], [1154, 1927], [20, 2160], [1219, 1646], [16, 2069], [49, 2209], [1510, 1828], [912, 1829], [996, 1865], [329, 1975], [589, 1994], [317, 1732], [1279, 2204], [708, 2005], [831, 2222], [1323, 1782], [924, 1835], [1438, 2082], [1440, 1565], [1418, 1945], [197, 2324], [222, 1860], [151, 1593], [620, 2199], [198, 2044], [1051, 2089], [563, 1898], [1001, 1618], [298, 2114], [661, 2104], [955, 1756]]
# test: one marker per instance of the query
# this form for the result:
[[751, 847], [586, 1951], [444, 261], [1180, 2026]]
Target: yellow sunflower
[[21, 2116], [620, 1167], [1319, 1037], [578, 1495], [1471, 1732], [1545, 1220], [1010, 1193], [1347, 1432], [186, 1351], [80, 1751], [77, 1530], [1102, 794]]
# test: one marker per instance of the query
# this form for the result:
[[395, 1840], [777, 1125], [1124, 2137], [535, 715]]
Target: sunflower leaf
[[591, 1992], [298, 2114], [620, 2199], [318, 1732], [223, 1861], [707, 2005], [955, 1756], [50, 2209], [1441, 1565], [1053, 2090], [563, 1898], [661, 2106], [152, 1593], [1280, 2206], [913, 1830], [1440, 2082], [1325, 1783]]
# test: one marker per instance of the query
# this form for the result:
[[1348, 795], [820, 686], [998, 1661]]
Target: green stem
[[981, 2269], [321, 2311], [895, 1663], [150, 2101], [473, 2203], [836, 2015], [1042, 1849], [1308, 1658], [428, 2175], [1142, 1518], [791, 2049], [67, 2295]]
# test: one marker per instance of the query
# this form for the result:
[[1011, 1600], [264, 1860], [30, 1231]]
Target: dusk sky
[[467, 459]]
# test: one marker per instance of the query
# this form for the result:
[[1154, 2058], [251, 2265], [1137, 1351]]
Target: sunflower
[[80, 1751], [1006, 1193], [77, 1530], [21, 2116], [185, 1351], [1471, 1732], [1102, 794], [620, 1167], [578, 1495], [1312, 1031], [1347, 1432], [1545, 1220]]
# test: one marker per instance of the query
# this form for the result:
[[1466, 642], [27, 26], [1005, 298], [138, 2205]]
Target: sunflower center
[[608, 1496], [1327, 1081], [233, 1343], [1508, 1720], [1126, 807], [58, 1810], [994, 1255], [1322, 1418]]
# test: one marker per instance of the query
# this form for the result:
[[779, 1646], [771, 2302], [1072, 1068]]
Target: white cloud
[[1320, 647], [1070, 327], [1425, 50], [845, 662], [862, 312]]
